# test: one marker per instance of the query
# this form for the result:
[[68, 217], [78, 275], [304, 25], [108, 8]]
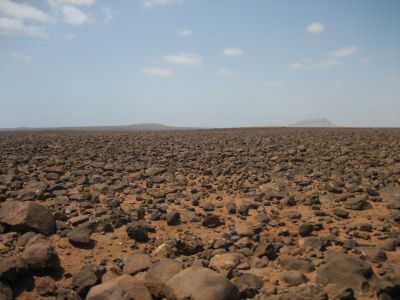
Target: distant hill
[[322, 122], [132, 127]]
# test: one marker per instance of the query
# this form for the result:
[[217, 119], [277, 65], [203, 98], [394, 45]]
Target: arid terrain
[[263, 213]]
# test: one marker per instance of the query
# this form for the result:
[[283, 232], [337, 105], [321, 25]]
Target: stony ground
[[203, 215]]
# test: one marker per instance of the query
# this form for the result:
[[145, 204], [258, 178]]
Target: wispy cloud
[[72, 2], [23, 11], [344, 51], [275, 83], [314, 64], [315, 27], [183, 59], [227, 72], [10, 26], [20, 56], [73, 16], [155, 3], [157, 71], [232, 52], [185, 32]]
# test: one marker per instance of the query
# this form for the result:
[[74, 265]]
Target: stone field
[[219, 214]]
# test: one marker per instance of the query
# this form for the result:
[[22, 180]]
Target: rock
[[357, 203], [39, 254], [211, 221], [294, 264], [79, 236], [173, 218], [67, 294], [344, 270], [87, 277], [123, 287], [231, 207], [341, 213], [248, 285], [78, 220], [136, 263], [243, 230], [373, 254], [266, 249], [137, 232], [226, 261], [305, 229], [159, 273], [197, 283], [11, 268], [333, 187], [45, 286], [32, 191], [27, 216], [345, 294], [294, 278], [5, 291]]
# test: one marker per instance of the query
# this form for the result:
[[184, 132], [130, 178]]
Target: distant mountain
[[132, 127], [322, 122]]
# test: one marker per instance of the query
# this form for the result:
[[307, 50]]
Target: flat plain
[[261, 213]]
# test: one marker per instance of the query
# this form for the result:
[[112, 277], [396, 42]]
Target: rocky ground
[[274, 213]]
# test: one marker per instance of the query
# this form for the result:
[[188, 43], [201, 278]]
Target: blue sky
[[203, 63]]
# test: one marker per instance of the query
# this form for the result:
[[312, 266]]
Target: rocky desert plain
[[219, 214]]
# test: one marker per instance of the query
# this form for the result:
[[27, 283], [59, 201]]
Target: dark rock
[[305, 229], [248, 285], [5, 291], [173, 218], [297, 265], [87, 277], [211, 221], [27, 216], [138, 232], [79, 236]]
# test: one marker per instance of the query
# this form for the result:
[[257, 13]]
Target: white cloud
[[72, 2], [73, 16], [20, 56], [314, 64], [183, 59], [154, 3], [232, 52], [23, 11], [315, 28], [185, 32], [227, 72], [17, 26], [109, 13], [344, 51], [157, 71], [275, 83]]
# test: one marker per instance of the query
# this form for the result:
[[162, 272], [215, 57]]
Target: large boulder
[[197, 283], [39, 254], [136, 263], [159, 273], [27, 216], [123, 287], [345, 270]]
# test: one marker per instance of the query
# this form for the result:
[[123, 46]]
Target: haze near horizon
[[196, 63]]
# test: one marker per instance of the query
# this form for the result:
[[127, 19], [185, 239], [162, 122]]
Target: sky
[[200, 63]]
